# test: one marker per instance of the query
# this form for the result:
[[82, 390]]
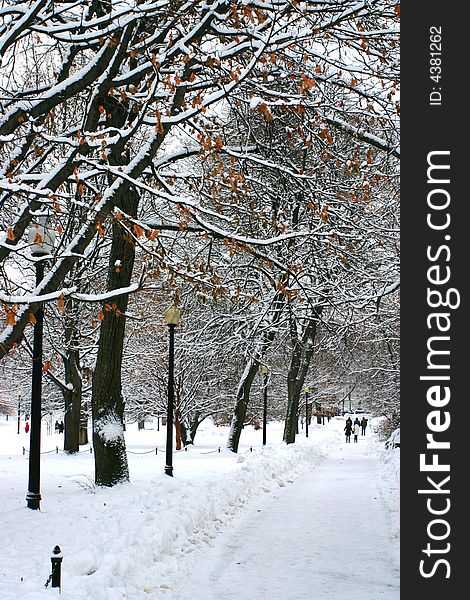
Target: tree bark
[[251, 368], [83, 431], [241, 405], [72, 421], [184, 434], [178, 427], [194, 424], [302, 352], [73, 392], [111, 465], [189, 429]]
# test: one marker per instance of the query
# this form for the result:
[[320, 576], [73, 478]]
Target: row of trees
[[236, 158]]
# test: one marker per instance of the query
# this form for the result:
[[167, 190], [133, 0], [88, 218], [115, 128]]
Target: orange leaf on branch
[[61, 303], [324, 213], [10, 315], [139, 232], [265, 111], [159, 125]]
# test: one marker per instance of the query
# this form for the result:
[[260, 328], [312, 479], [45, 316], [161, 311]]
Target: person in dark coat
[[348, 430], [363, 426], [356, 421]]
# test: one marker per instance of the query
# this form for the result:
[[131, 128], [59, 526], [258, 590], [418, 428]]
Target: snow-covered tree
[[105, 102]]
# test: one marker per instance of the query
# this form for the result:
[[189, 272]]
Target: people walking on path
[[26, 427], [356, 431], [363, 426], [348, 430]]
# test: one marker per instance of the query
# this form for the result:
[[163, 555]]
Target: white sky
[[314, 520]]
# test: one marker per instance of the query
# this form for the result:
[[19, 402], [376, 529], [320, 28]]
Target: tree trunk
[[302, 352], [189, 430], [178, 437], [73, 391], [194, 424], [243, 397], [294, 385], [83, 432], [108, 406], [184, 434], [111, 465], [251, 368], [73, 400]]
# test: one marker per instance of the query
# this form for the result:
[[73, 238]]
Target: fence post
[[56, 560]]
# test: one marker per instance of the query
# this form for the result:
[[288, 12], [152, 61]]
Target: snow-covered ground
[[317, 519]]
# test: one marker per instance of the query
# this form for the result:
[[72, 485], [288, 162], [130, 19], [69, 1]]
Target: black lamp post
[[265, 371], [19, 412], [41, 236], [306, 390], [172, 318]]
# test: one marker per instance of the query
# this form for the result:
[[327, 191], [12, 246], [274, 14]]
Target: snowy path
[[330, 541]]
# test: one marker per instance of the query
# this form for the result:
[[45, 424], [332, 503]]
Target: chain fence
[[155, 450]]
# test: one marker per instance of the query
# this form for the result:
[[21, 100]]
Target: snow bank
[[389, 482], [136, 540]]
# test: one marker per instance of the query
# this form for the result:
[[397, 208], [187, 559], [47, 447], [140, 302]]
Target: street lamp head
[[306, 388], [264, 369], [41, 237], [172, 315]]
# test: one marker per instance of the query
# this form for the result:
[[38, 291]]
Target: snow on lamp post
[[172, 317], [265, 371], [306, 390], [41, 237]]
